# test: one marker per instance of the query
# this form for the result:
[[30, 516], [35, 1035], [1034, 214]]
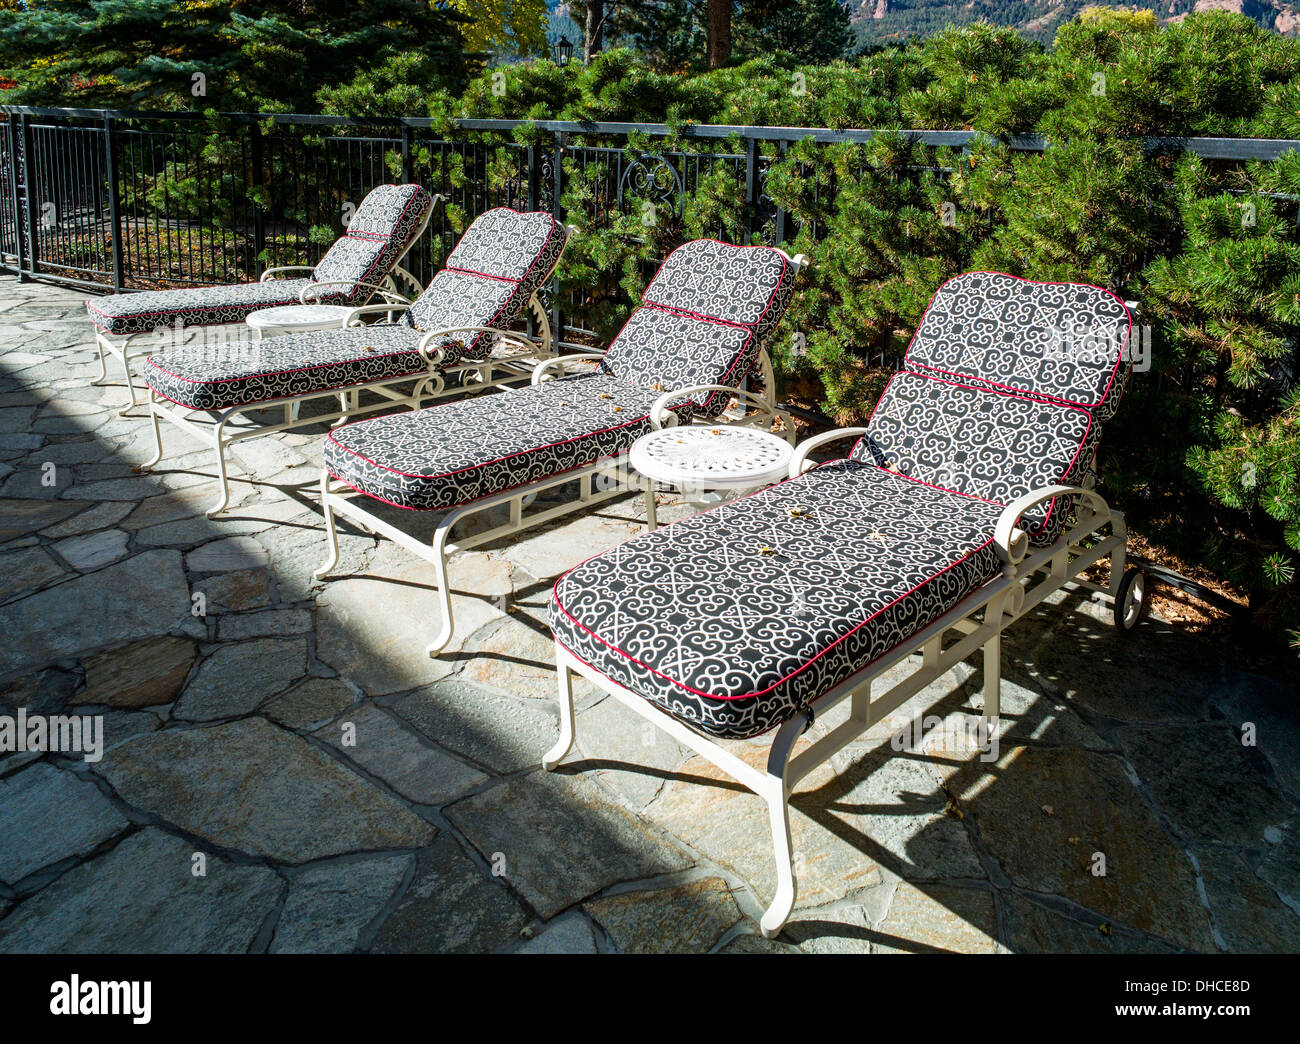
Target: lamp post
[[563, 50]]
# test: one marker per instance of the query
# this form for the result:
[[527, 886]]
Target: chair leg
[[331, 529], [775, 916], [222, 478], [130, 385], [103, 361], [157, 435], [993, 679], [777, 797], [1118, 557], [567, 731], [439, 559]]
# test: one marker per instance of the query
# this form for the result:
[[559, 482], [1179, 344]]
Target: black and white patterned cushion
[[395, 212], [123, 314], [706, 315], [379, 233], [746, 285], [447, 455], [458, 452], [1062, 341], [454, 300], [667, 350], [217, 377], [503, 257], [507, 244], [979, 441], [390, 217], [734, 619]]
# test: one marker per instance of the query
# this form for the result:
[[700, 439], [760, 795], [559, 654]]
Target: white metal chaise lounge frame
[[1031, 570], [510, 362], [976, 623], [598, 482], [398, 286]]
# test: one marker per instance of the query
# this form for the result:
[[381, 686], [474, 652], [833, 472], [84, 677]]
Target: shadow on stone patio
[[348, 792]]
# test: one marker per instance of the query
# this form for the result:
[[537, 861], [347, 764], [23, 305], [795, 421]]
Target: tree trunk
[[719, 47], [595, 29]]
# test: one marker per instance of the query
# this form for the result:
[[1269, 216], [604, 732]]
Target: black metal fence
[[134, 200]]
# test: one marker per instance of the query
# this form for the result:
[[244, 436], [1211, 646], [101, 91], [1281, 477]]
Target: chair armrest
[[540, 371], [797, 262], [799, 463], [379, 309], [313, 290], [659, 411], [1012, 543], [435, 356], [266, 276]]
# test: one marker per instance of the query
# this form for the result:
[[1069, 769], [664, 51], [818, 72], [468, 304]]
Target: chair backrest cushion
[[378, 236], [503, 257], [1004, 390], [981, 442], [706, 314], [1061, 341]]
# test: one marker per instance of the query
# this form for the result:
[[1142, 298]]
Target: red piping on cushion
[[482, 275], [699, 317], [780, 681], [785, 268], [1039, 395]]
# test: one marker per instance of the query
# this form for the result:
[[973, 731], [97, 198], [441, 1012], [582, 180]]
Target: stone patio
[[290, 772]]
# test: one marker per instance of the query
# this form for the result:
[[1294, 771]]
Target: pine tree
[[224, 54], [811, 30]]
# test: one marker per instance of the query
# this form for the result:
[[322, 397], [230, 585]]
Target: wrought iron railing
[[132, 200]]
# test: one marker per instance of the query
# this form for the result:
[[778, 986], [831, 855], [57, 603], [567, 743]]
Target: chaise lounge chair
[[459, 326], [365, 261], [966, 501], [681, 356]]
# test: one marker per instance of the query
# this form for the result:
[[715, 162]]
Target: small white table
[[299, 318], [696, 458]]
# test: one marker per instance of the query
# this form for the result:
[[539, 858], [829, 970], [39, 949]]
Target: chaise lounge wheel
[[1130, 600]]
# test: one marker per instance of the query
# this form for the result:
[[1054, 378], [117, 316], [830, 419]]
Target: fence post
[[20, 248], [407, 176], [259, 211], [114, 213], [534, 176], [751, 186], [780, 232], [557, 212], [33, 215]]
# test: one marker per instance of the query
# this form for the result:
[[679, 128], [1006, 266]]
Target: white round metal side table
[[697, 459], [299, 318]]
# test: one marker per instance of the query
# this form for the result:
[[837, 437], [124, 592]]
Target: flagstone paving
[[285, 770]]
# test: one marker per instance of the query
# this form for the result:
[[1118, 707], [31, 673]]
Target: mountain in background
[[878, 22], [887, 21]]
